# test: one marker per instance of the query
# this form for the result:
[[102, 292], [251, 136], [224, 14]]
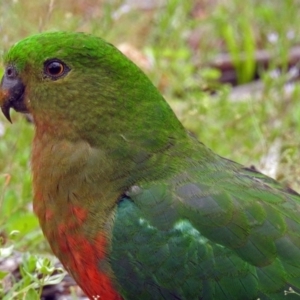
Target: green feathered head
[[80, 83]]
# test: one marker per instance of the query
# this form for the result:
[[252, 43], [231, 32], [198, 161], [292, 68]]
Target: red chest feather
[[83, 258]]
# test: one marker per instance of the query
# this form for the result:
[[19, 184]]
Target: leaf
[[55, 279], [32, 295], [44, 265], [3, 274], [6, 251]]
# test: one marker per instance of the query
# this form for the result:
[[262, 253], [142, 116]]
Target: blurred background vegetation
[[228, 68]]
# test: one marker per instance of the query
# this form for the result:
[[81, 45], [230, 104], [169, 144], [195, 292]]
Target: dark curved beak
[[12, 95]]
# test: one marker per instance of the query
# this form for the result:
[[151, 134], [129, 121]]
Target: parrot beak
[[12, 93]]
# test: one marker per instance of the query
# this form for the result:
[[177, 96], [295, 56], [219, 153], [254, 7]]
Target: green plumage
[[215, 230], [158, 214]]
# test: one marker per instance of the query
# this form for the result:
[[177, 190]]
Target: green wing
[[212, 231]]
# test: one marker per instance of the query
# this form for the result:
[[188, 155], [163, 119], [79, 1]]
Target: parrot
[[133, 204]]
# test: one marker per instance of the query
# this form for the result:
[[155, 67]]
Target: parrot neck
[[127, 153]]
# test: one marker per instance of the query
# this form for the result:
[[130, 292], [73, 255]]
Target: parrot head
[[80, 86]]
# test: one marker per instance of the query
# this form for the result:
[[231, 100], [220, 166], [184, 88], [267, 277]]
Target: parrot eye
[[10, 72], [55, 69]]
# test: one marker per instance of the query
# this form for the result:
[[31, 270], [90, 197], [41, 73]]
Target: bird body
[[131, 203]]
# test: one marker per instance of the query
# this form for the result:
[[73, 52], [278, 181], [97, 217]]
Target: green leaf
[[55, 279], [44, 265], [3, 274], [32, 295]]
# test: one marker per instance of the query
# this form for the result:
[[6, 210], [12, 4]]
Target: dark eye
[[10, 72], [55, 69]]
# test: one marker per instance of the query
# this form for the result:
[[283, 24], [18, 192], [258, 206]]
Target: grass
[[180, 39]]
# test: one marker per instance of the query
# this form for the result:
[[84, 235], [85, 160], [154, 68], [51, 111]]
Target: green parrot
[[131, 203]]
